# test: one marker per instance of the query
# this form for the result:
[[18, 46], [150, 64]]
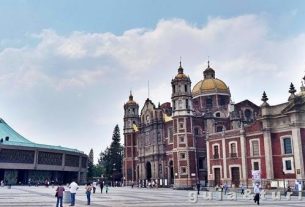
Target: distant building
[[23, 161], [201, 136]]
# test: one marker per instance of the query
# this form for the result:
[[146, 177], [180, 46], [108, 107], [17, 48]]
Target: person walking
[[242, 189], [256, 192], [101, 185], [94, 186], [59, 195], [225, 188], [198, 188], [88, 192], [73, 188]]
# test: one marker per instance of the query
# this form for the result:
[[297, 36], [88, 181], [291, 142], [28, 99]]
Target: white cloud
[[101, 68]]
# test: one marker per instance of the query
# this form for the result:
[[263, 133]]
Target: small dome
[[131, 101], [210, 85], [180, 76]]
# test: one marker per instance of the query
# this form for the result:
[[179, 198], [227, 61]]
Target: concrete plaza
[[126, 196]]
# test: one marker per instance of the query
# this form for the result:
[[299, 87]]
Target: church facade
[[201, 136]]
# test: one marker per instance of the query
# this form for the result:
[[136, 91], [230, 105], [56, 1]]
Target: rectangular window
[[181, 139], [233, 148], [182, 156], [159, 136], [255, 148], [288, 164], [216, 153], [181, 125], [219, 129], [255, 165], [287, 146], [201, 163], [170, 134], [183, 170], [196, 131]]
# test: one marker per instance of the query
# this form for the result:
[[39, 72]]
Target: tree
[[111, 158], [90, 165], [91, 156]]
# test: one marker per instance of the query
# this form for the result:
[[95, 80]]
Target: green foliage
[[111, 158], [90, 165]]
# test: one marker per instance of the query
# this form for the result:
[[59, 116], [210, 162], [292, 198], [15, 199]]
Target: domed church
[[202, 136]]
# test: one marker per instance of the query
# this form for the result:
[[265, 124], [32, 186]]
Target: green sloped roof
[[18, 140]]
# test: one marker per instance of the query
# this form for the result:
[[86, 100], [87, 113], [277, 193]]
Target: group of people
[[73, 187]]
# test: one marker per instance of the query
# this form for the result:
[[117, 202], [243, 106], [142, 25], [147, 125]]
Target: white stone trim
[[168, 134], [186, 170], [284, 159], [230, 171], [224, 159], [180, 153], [233, 142], [259, 164], [213, 150], [251, 147], [184, 139], [282, 144], [213, 170]]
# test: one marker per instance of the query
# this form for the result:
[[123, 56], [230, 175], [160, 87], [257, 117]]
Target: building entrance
[[148, 171]]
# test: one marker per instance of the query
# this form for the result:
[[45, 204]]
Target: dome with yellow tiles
[[210, 84]]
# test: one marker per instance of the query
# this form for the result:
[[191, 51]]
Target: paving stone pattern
[[125, 196]]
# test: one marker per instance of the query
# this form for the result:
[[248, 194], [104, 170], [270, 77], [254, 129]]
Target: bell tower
[[184, 149], [131, 122]]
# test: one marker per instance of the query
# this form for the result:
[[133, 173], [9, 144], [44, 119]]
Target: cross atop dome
[[209, 73]]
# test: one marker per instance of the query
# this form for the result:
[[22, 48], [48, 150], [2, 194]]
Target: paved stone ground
[[125, 196]]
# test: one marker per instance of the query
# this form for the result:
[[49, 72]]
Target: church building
[[202, 136]]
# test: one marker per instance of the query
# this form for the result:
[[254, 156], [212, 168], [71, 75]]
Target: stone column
[[63, 161], [298, 152], [208, 158], [225, 176], [243, 154], [268, 154]]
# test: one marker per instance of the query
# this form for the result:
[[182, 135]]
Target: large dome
[[210, 84]]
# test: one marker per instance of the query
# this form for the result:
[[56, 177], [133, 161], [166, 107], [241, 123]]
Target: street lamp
[[284, 181], [113, 173]]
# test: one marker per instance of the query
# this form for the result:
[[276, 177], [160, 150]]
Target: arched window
[[248, 115], [209, 102], [186, 103], [185, 88], [217, 114], [219, 129]]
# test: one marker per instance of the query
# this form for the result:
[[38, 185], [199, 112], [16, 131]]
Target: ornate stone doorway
[[148, 171], [171, 172]]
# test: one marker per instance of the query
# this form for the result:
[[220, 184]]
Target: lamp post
[[113, 173], [284, 181]]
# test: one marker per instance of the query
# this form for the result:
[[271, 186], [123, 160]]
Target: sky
[[66, 67]]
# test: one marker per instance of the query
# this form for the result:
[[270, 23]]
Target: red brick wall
[[277, 155], [261, 157]]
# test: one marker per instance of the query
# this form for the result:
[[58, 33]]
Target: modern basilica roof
[[9, 136]]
